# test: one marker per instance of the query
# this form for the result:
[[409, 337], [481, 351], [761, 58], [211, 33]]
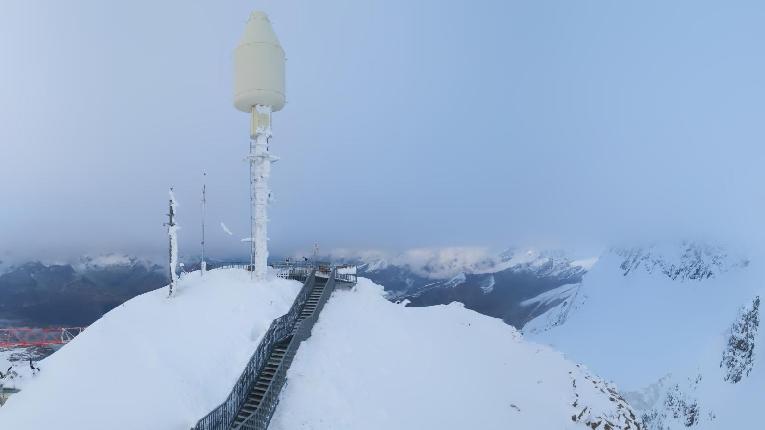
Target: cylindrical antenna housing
[[259, 67]]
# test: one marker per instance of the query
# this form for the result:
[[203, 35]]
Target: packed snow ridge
[[163, 363]]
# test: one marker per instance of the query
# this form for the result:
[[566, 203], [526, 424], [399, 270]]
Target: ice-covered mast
[[203, 263], [259, 90], [172, 235]]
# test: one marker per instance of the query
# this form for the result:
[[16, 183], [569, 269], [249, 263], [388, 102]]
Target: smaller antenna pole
[[173, 242], [203, 264]]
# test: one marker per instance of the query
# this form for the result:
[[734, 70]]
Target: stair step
[[250, 408], [254, 398]]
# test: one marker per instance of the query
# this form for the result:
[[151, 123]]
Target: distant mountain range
[[40, 294], [504, 286]]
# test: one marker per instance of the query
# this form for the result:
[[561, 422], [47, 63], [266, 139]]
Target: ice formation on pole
[[172, 234], [260, 171], [203, 263]]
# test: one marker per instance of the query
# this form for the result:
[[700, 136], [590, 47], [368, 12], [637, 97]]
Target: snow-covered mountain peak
[[103, 261], [677, 326], [446, 263], [689, 261]]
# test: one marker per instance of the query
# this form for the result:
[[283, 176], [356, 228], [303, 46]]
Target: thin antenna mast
[[172, 236], [203, 264]]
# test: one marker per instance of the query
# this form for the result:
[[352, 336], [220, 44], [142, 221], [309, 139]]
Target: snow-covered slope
[[492, 284], [153, 362], [371, 364], [675, 326]]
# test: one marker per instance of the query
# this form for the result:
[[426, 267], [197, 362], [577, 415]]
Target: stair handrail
[[223, 416], [262, 416]]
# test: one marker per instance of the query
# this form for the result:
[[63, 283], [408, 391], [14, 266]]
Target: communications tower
[[259, 91]]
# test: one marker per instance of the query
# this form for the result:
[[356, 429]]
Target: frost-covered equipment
[[172, 234], [259, 90], [203, 263]]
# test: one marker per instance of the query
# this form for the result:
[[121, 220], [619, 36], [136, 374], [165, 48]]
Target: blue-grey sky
[[427, 123]]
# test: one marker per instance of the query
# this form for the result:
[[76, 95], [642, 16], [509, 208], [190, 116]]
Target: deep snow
[[371, 364], [657, 322], [154, 362]]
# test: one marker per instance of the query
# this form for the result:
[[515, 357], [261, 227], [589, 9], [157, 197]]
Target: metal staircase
[[264, 381], [255, 395], [272, 377]]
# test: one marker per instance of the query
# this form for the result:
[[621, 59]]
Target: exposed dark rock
[[738, 356]]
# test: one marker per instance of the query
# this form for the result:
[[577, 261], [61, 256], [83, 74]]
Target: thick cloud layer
[[409, 123]]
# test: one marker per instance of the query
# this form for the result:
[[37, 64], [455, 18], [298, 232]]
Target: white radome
[[259, 66]]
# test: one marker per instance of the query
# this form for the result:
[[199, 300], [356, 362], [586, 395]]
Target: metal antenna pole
[[203, 264], [172, 239]]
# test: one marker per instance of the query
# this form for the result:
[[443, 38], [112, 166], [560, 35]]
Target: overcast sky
[[409, 123]]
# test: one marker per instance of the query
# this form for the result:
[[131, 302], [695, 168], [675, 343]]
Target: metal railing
[[213, 266], [295, 271], [347, 278], [262, 416], [222, 417]]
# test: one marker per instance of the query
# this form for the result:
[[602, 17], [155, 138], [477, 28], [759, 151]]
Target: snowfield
[[154, 362], [676, 327], [371, 364]]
